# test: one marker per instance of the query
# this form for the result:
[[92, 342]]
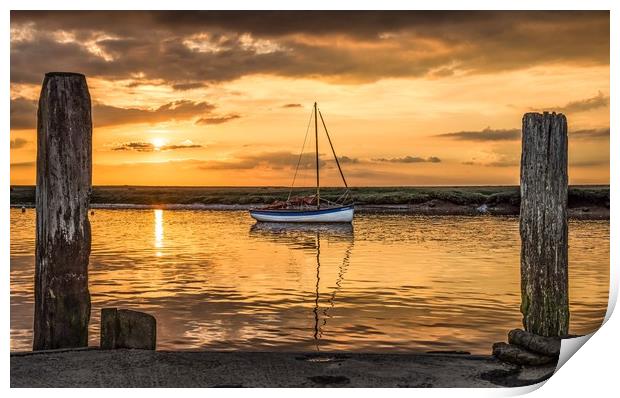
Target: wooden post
[[127, 329], [544, 225], [64, 161]]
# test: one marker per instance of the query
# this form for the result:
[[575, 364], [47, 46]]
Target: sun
[[158, 143]]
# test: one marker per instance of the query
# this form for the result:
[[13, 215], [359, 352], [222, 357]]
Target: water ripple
[[215, 280]]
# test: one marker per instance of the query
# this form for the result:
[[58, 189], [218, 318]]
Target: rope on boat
[[299, 159], [346, 195]]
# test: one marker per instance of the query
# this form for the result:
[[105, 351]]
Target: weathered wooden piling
[[544, 224], [64, 140]]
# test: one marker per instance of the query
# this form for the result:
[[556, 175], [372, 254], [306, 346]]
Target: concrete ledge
[[141, 368], [54, 351]]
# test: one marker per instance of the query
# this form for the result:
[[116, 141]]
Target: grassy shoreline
[[595, 196]]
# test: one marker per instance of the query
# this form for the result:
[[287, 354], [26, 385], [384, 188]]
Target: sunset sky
[[409, 98]]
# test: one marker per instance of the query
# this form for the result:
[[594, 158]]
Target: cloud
[[150, 147], [589, 162], [181, 146], [23, 165], [217, 119], [277, 160], [24, 113], [346, 159], [106, 115], [409, 159], [188, 86], [602, 133], [291, 106], [487, 134], [18, 143], [587, 104], [274, 160], [212, 46], [503, 161]]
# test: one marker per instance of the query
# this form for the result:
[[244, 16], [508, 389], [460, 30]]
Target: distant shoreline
[[584, 202]]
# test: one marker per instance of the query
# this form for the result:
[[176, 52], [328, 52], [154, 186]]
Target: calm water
[[389, 283]]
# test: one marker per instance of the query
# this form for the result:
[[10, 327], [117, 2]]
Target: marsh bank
[[584, 202]]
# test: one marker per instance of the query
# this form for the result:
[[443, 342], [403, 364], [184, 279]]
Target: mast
[[316, 145]]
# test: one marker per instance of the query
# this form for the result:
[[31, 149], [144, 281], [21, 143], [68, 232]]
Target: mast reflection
[[308, 237]]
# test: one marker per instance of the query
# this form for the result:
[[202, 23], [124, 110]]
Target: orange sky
[[410, 98]]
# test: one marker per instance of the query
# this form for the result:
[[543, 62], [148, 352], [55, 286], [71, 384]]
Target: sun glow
[[158, 143]]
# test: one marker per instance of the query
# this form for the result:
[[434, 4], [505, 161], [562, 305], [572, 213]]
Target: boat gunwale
[[302, 212]]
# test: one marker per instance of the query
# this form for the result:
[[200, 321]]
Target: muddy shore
[[138, 368]]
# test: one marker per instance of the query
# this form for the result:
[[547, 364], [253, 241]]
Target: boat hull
[[335, 214]]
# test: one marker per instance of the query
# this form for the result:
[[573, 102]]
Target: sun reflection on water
[[159, 231]]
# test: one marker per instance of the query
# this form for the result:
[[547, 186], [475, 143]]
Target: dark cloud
[[503, 161], [106, 115], [180, 146], [24, 113], [409, 159], [188, 86], [599, 101], [135, 146], [291, 106], [589, 134], [209, 46], [589, 162], [587, 104], [149, 147], [346, 159], [217, 119], [487, 134], [23, 165], [273, 160], [18, 143]]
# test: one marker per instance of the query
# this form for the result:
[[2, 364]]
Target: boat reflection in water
[[308, 237]]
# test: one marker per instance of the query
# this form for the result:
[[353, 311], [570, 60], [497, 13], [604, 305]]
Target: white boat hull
[[338, 214]]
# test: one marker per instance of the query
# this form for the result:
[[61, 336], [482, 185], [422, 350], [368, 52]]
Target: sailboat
[[312, 209]]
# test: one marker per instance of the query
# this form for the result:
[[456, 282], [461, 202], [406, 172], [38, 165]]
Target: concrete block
[[127, 329]]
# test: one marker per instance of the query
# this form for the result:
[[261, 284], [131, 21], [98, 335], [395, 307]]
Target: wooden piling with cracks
[[63, 236], [544, 224]]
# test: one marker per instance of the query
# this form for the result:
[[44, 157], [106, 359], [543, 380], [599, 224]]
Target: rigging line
[[299, 159], [333, 151], [339, 280]]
